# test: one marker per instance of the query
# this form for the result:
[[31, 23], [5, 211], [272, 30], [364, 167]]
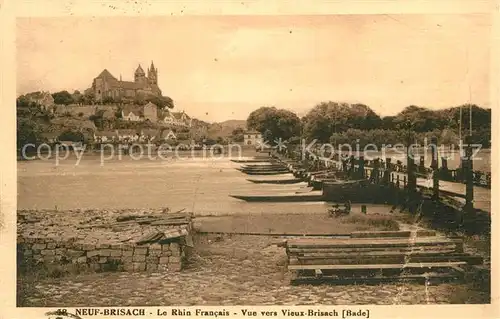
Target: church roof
[[130, 85], [139, 70], [105, 74], [152, 67]]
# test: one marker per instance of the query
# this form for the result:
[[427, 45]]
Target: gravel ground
[[234, 270]]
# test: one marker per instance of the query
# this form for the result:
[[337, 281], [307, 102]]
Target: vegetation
[[342, 123], [274, 123]]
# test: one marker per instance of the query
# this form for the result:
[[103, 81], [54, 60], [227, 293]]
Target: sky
[[218, 68]]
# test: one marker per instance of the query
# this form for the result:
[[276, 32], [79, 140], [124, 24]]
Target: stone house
[[150, 112], [252, 138]]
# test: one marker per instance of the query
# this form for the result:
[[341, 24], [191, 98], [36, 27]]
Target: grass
[[369, 222]]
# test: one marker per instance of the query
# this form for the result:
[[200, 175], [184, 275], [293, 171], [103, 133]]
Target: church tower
[[153, 74], [139, 75]]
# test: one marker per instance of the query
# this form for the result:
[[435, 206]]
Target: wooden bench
[[374, 257]]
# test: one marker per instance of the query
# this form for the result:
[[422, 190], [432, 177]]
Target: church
[[105, 85]]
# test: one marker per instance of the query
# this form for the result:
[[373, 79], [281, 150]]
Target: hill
[[226, 128]]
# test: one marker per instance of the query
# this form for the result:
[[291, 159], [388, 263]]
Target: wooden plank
[[334, 241], [471, 260], [379, 266], [401, 233], [369, 242], [433, 278], [365, 250], [376, 254]]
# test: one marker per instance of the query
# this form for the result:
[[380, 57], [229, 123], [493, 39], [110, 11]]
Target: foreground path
[[237, 270]]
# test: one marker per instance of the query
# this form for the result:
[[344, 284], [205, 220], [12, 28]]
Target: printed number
[[62, 311]]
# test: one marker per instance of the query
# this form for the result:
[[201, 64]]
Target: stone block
[[165, 247], [154, 252], [127, 259], [28, 252], [115, 252], [152, 259], [175, 266], [139, 258], [162, 267], [75, 253], [89, 246], [175, 251], [81, 260], [39, 246], [105, 252], [140, 251], [51, 245], [49, 259], [175, 246], [151, 267], [102, 246], [103, 260], [163, 260], [117, 246], [60, 251], [48, 252], [128, 266], [139, 266], [127, 253], [166, 253], [155, 247], [175, 259], [93, 253]]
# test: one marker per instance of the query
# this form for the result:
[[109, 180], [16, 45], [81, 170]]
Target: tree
[[77, 97], [63, 97], [327, 118], [274, 123], [69, 135], [161, 101], [238, 134], [88, 97], [27, 132]]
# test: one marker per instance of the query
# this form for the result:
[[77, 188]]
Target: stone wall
[[44, 252], [125, 240]]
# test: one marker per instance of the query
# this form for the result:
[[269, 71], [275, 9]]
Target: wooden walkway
[[482, 196]]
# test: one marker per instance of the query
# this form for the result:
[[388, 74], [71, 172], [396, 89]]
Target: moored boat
[[276, 181]]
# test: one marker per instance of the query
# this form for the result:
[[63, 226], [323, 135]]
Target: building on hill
[[252, 138], [148, 112], [105, 85], [176, 118], [43, 99], [131, 113]]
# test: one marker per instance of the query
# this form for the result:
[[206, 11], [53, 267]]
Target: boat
[[276, 181], [264, 168], [312, 196], [265, 172], [252, 161]]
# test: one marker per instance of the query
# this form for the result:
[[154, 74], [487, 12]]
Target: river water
[[198, 184], [201, 185]]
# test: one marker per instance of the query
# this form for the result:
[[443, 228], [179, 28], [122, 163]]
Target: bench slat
[[380, 266]]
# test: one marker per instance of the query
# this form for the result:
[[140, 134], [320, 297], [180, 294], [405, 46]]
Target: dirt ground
[[228, 270]]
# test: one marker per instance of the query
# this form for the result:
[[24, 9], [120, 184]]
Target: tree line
[[343, 123]]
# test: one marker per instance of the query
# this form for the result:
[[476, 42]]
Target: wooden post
[[397, 181], [388, 172], [421, 167], [361, 167], [469, 176], [435, 167]]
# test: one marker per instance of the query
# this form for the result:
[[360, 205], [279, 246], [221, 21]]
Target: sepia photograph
[[257, 160]]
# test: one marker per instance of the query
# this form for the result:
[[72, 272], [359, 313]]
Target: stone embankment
[[121, 240]]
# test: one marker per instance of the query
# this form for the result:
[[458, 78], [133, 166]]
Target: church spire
[[152, 67]]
